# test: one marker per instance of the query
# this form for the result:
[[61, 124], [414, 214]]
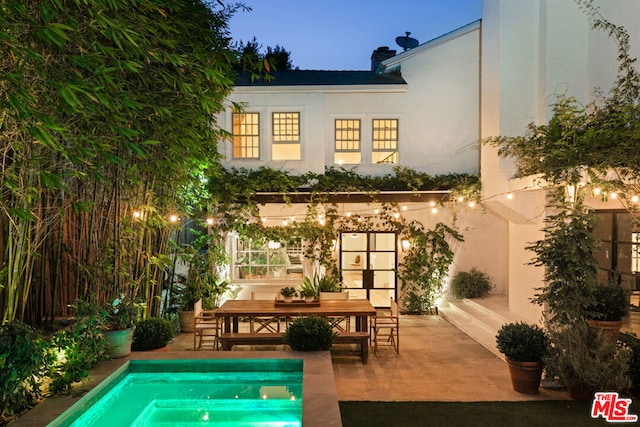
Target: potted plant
[[586, 361], [311, 333], [524, 345], [319, 284], [611, 304], [288, 293], [118, 319], [307, 294], [152, 333]]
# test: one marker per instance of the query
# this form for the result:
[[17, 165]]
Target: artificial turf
[[473, 414]]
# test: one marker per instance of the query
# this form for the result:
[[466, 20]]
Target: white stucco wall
[[533, 51], [438, 112]]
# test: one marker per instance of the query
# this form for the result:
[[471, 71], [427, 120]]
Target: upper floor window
[[347, 138], [384, 138], [246, 136], [286, 136]]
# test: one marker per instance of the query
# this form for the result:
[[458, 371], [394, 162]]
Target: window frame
[[391, 144], [297, 125], [254, 148]]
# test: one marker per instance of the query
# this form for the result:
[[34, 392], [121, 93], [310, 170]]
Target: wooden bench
[[245, 338], [360, 338]]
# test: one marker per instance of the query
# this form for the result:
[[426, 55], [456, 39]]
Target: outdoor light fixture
[[597, 191], [434, 210], [460, 199], [137, 214], [634, 199], [510, 196], [210, 221], [396, 215], [613, 195], [406, 245], [173, 218], [472, 204]]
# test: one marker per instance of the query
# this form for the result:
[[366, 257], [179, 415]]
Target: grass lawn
[[479, 414]]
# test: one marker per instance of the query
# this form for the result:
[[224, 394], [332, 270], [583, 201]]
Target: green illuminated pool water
[[234, 392]]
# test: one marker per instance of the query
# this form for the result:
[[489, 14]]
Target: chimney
[[379, 55]]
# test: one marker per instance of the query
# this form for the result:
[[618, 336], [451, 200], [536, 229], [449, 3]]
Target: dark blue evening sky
[[342, 34]]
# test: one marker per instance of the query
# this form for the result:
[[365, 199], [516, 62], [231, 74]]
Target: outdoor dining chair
[[206, 328], [267, 324], [385, 328], [341, 324]]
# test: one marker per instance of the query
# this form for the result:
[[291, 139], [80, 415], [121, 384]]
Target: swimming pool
[[262, 392]]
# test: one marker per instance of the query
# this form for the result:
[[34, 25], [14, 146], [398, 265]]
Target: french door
[[368, 266]]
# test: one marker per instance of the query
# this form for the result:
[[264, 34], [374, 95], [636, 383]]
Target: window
[[286, 136], [385, 141], [619, 248], [267, 260], [246, 136], [347, 142]]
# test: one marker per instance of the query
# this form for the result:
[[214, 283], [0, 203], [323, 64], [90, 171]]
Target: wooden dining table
[[232, 310]]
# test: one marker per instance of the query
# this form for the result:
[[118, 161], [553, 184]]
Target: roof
[[322, 78]]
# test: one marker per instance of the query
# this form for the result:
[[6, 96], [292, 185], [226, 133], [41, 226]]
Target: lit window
[[246, 136], [286, 136], [267, 260], [385, 141], [347, 142]]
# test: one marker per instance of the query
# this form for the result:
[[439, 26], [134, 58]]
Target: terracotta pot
[[525, 376], [119, 342], [580, 392], [186, 320], [607, 327]]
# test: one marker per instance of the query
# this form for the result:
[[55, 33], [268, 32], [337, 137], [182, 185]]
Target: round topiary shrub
[[309, 334], [152, 333], [471, 284]]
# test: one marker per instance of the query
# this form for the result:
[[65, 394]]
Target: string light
[[173, 218], [510, 196]]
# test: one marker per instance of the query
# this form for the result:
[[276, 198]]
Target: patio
[[436, 362]]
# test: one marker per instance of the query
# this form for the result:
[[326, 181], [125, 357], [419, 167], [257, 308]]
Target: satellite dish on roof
[[406, 42]]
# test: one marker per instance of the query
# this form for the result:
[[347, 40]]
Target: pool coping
[[319, 393]]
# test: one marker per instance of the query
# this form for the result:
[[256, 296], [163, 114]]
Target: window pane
[[348, 135], [246, 135], [385, 141]]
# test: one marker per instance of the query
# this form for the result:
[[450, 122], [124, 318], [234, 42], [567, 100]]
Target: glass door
[[367, 264]]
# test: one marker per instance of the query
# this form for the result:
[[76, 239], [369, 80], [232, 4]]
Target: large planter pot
[[119, 342], [186, 320], [580, 392], [607, 327], [525, 376]]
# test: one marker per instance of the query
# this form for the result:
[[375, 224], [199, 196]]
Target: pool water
[[233, 392]]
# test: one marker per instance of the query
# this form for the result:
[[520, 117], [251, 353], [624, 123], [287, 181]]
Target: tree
[[106, 109], [252, 57]]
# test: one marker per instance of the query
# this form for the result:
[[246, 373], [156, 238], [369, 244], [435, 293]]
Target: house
[[427, 108]]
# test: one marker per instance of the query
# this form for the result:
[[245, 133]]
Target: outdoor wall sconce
[[405, 245]]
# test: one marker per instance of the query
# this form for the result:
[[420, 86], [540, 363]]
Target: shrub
[[152, 333], [522, 342], [611, 302], [633, 343], [584, 359], [309, 334], [76, 349], [22, 364], [471, 284]]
